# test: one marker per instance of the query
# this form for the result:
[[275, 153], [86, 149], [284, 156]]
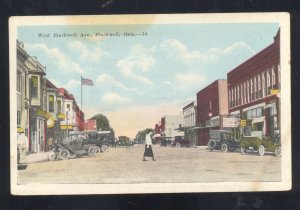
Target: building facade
[[170, 125], [254, 92], [212, 108], [190, 127]]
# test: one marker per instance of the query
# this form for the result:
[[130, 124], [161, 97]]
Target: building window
[[34, 86], [238, 96], [248, 91], [51, 103], [253, 113], [242, 94], [268, 82], [19, 118], [259, 87], [19, 82], [252, 90], [273, 79], [245, 93], [279, 76], [263, 85], [255, 88], [59, 106]]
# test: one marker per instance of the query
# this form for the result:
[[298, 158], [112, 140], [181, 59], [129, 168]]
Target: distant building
[[170, 125], [74, 117], [254, 92], [212, 107], [190, 127], [90, 125]]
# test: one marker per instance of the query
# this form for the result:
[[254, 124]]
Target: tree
[[141, 135], [103, 123]]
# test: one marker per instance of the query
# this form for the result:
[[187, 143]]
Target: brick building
[[254, 92], [212, 107]]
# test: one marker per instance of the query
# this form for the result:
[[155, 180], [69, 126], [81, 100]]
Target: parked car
[[75, 145], [223, 140], [180, 141], [261, 145], [166, 141]]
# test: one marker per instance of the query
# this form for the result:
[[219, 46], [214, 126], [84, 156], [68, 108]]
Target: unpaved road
[[125, 165]]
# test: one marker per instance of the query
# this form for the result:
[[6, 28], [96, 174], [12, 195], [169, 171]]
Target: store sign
[[65, 127], [275, 91], [41, 113], [50, 123], [230, 122], [62, 116], [20, 130]]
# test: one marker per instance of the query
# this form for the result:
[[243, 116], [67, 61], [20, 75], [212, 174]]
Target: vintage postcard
[[150, 103]]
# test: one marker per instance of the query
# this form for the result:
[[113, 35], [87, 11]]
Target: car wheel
[[261, 150], [243, 151], [92, 151], [212, 144], [178, 144], [104, 148], [64, 154], [97, 149], [278, 151], [52, 156], [224, 147]]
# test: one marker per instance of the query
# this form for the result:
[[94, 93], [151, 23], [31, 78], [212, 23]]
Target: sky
[[139, 79]]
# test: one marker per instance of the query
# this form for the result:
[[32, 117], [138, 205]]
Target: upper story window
[[19, 82], [51, 103], [268, 82], [263, 85], [259, 87], [255, 88], [279, 75], [59, 106], [248, 91], [245, 94], [242, 93], [34, 86], [238, 95], [273, 78]]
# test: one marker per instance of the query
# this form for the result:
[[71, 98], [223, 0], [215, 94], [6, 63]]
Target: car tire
[[97, 149], [243, 151], [224, 147], [277, 151], [212, 144], [64, 154], [104, 148], [261, 150], [52, 156], [92, 151], [178, 144]]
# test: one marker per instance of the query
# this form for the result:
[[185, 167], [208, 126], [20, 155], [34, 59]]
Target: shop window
[[34, 86], [51, 103]]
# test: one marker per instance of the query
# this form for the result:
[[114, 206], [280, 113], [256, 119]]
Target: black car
[[223, 140], [166, 141]]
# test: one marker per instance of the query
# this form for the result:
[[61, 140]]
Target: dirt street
[[125, 165]]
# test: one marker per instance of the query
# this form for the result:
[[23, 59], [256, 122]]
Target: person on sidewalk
[[148, 147]]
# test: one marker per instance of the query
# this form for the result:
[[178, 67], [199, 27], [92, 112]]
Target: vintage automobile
[[180, 141], [261, 145], [100, 139], [166, 141], [74, 145], [224, 140]]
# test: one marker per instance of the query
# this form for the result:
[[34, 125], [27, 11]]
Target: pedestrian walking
[[148, 147]]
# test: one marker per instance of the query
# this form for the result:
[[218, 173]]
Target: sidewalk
[[37, 157]]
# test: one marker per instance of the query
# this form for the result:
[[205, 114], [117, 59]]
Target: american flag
[[85, 81]]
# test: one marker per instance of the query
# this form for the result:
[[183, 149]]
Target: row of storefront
[[44, 112], [246, 103]]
